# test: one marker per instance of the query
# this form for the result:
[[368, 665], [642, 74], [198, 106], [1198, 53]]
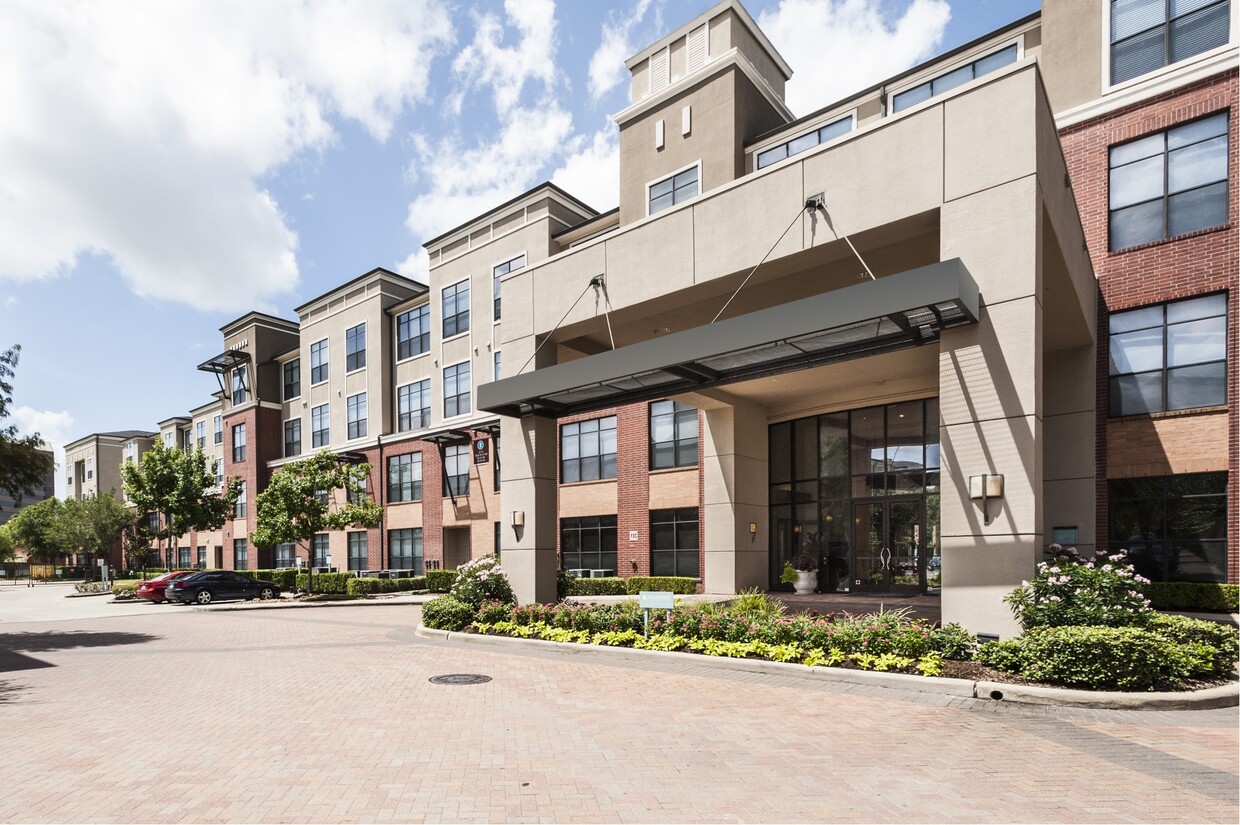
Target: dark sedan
[[219, 585]]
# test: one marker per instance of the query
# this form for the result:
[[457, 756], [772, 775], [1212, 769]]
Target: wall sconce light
[[753, 528], [796, 528], [518, 520], [986, 487]]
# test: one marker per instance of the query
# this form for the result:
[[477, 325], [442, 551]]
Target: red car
[[153, 589]]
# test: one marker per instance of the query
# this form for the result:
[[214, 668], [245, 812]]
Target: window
[[218, 424], [673, 435], [456, 309], [499, 272], [292, 379], [320, 426], [238, 442], [413, 332], [241, 554], [495, 367], [405, 550], [168, 440], [318, 362], [320, 548], [355, 348], [200, 432], [239, 507], [405, 477], [456, 470], [588, 543], [183, 558], [1174, 528], [953, 78], [219, 474], [90, 468], [1149, 34], [1169, 357], [805, 141], [240, 389], [286, 555], [674, 542], [588, 450], [356, 415], [456, 390], [413, 406], [130, 451], [202, 558], [292, 437], [1169, 183], [358, 552], [671, 191]]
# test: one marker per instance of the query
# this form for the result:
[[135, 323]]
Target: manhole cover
[[460, 679]]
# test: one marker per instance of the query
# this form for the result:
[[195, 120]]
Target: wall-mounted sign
[[1066, 536], [482, 451], [632, 535]]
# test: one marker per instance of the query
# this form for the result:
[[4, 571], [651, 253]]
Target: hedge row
[[1194, 596], [366, 586], [440, 581], [610, 586], [682, 585], [325, 582], [284, 578]]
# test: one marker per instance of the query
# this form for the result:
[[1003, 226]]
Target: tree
[[35, 529], [137, 542], [93, 524], [177, 487], [7, 545], [22, 466], [294, 507]]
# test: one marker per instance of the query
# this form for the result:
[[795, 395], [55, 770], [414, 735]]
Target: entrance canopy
[[891, 313]]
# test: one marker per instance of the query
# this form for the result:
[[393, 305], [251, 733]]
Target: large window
[[240, 388], [456, 390], [200, 434], [588, 543], [674, 542], [953, 78], [318, 362], [359, 553], [355, 409], [1149, 34], [405, 550], [499, 272], [238, 442], [1174, 528], [413, 406], [320, 550], [588, 450], [286, 555], [292, 379], [292, 437], [1169, 357], [1169, 183], [413, 332], [807, 140], [405, 477], [456, 470], [355, 348], [218, 424], [239, 508], [202, 558], [456, 309], [673, 435], [320, 426], [241, 554], [183, 558], [673, 190]]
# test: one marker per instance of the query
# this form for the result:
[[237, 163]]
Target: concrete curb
[[292, 605], [1216, 697]]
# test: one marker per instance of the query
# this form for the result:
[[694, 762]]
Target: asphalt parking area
[[328, 715]]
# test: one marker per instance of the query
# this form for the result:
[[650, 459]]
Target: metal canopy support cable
[[547, 337], [819, 201], [804, 208], [600, 285]]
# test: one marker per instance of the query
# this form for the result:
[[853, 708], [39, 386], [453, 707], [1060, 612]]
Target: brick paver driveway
[[327, 715]]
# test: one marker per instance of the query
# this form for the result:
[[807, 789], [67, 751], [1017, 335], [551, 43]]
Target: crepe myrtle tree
[[177, 489], [297, 503]]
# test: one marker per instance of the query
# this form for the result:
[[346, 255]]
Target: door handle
[[884, 556]]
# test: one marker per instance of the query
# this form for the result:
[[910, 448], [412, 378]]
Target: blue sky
[[168, 166]]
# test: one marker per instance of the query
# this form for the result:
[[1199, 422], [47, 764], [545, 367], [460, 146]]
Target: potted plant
[[802, 573]]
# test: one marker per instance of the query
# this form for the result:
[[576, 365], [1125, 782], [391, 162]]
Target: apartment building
[[45, 490], [919, 334]]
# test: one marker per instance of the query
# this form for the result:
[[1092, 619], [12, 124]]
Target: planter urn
[[807, 582]]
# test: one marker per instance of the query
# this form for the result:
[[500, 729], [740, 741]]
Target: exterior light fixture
[[753, 528], [518, 518], [986, 487], [796, 528]]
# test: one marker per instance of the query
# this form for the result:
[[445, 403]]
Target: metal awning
[[892, 313], [225, 361]]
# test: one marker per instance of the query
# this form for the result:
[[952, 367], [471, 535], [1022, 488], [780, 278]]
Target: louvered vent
[[697, 49], [658, 71]]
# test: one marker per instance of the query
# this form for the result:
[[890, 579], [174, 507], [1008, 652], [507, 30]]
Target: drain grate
[[460, 679]]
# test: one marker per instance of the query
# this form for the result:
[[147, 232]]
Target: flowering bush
[[482, 579], [1097, 658], [1073, 591]]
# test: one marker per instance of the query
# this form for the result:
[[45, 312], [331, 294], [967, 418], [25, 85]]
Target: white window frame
[[651, 184], [522, 254], [851, 114], [363, 420], [396, 333], [1152, 78], [348, 371], [442, 319], [443, 389], [313, 344], [948, 68]]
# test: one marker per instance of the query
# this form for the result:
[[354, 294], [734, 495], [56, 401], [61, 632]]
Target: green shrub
[[1008, 655], [1194, 596], [683, 585], [440, 581], [415, 583], [1070, 591], [482, 579], [953, 642], [491, 611], [325, 582], [363, 586], [1095, 658], [610, 586], [124, 592], [447, 613], [1222, 639]]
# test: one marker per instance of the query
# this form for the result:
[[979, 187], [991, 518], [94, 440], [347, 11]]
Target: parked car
[[220, 585], [154, 589]]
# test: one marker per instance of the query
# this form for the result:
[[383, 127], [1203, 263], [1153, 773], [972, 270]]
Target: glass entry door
[[888, 542]]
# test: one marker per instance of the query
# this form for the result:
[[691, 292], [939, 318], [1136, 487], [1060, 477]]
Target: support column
[[527, 487]]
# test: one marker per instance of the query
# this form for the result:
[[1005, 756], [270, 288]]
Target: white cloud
[[485, 62], [56, 429], [142, 131], [607, 69], [837, 47], [592, 169]]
